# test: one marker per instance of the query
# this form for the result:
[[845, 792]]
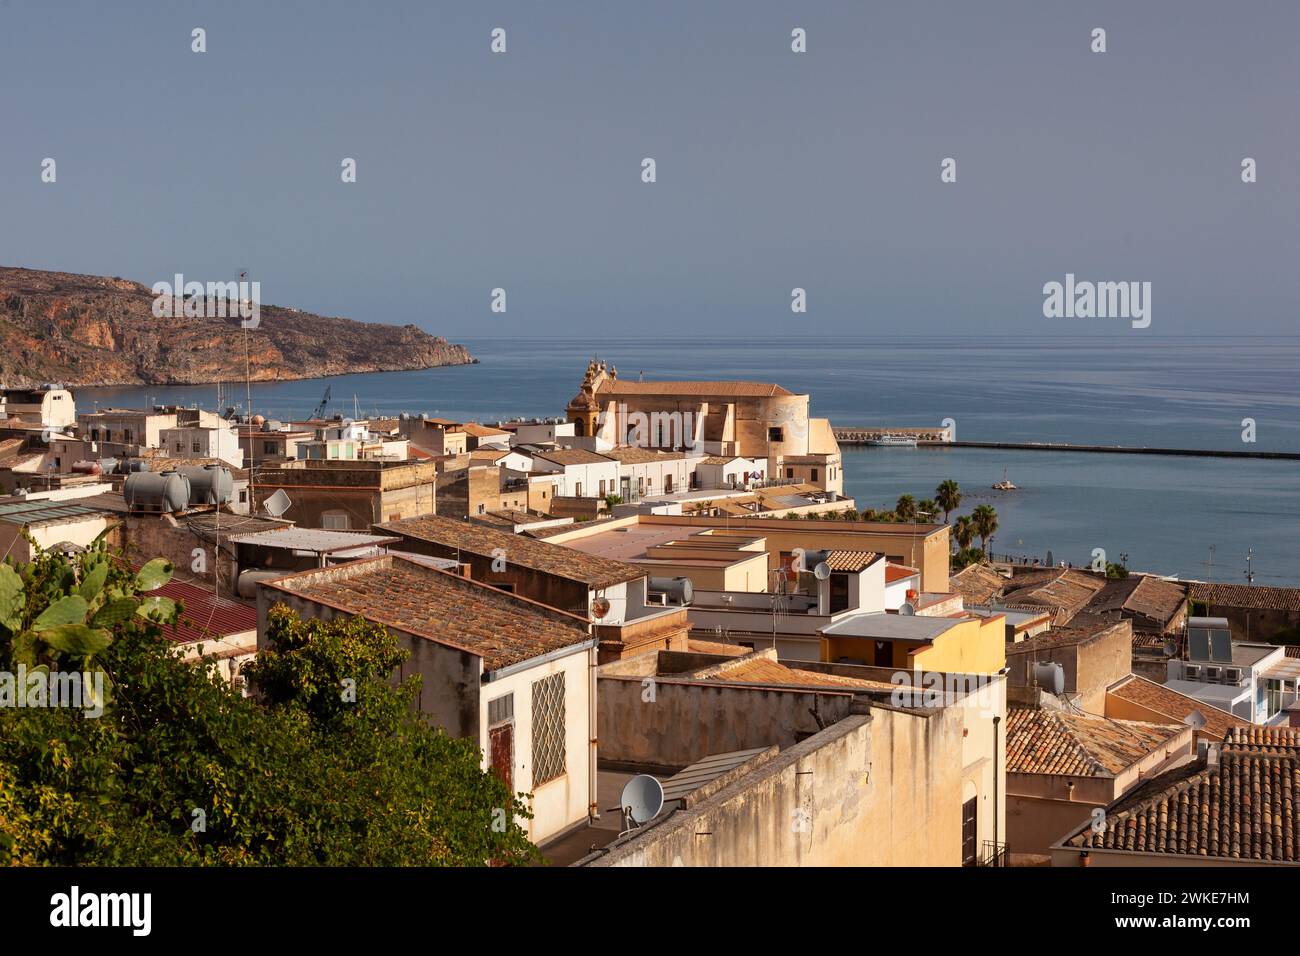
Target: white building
[[50, 405], [199, 441], [579, 473]]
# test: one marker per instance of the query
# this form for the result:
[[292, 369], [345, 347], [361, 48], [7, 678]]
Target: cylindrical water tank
[[248, 581], [272, 425], [678, 590], [108, 466], [156, 493], [210, 485], [86, 468], [1049, 676]]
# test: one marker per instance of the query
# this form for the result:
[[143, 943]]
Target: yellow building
[[964, 644]]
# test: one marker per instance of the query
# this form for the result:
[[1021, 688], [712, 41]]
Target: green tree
[[965, 557], [180, 769], [948, 495], [905, 509], [927, 509], [985, 518], [964, 531]]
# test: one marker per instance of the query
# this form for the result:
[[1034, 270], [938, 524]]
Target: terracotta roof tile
[[1169, 703], [1246, 595], [527, 552], [851, 561], [1053, 742], [1242, 809], [445, 608]]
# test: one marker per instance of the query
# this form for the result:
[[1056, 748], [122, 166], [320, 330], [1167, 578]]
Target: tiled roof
[[446, 608], [851, 561], [762, 670], [527, 552], [1267, 739], [1082, 629], [1169, 703], [899, 572], [977, 584], [1052, 742], [1243, 808], [1144, 595], [713, 647], [731, 389], [1066, 591], [573, 456], [1246, 595], [482, 431], [639, 456]]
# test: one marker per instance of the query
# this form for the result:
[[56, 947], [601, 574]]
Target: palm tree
[[905, 508], [985, 518], [948, 494], [927, 509], [964, 531]]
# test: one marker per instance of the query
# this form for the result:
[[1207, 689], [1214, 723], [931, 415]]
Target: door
[[968, 831], [884, 654], [502, 747]]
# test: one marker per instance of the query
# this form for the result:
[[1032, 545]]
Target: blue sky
[[775, 169]]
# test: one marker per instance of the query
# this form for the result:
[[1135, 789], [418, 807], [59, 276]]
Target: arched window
[[580, 428]]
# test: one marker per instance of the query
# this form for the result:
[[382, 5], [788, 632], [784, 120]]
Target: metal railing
[[994, 854]]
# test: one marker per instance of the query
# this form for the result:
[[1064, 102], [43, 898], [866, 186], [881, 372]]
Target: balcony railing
[[994, 854]]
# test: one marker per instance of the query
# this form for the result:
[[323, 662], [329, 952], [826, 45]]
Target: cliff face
[[95, 330]]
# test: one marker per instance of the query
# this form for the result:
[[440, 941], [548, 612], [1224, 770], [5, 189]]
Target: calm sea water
[[1165, 513]]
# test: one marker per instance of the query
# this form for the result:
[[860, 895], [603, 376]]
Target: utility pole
[[1250, 575]]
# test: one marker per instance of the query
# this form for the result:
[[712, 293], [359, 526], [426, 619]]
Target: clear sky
[[775, 170]]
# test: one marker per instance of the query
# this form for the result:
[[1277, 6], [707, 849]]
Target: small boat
[[1005, 484], [892, 441]]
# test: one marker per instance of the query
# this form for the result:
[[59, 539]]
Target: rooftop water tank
[[677, 590], [86, 468], [272, 425], [209, 485], [1049, 676], [153, 493]]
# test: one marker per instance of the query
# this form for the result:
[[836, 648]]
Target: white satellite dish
[[642, 799], [906, 609], [277, 504], [822, 571]]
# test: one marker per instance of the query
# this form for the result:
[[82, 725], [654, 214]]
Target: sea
[[1200, 518]]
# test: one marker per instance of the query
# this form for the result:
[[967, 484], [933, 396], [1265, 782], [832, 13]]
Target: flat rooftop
[[892, 627], [315, 540]]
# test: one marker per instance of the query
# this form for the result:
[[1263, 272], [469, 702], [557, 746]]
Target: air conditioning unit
[[1232, 675], [1212, 673], [1191, 672]]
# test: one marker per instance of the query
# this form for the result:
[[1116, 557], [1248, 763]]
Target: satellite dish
[[822, 571], [277, 504], [642, 799], [599, 607], [906, 609]]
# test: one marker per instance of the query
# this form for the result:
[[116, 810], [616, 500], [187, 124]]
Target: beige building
[[515, 676], [753, 420]]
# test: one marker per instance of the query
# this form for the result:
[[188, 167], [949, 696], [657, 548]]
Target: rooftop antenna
[[248, 394], [1250, 575], [1210, 565]]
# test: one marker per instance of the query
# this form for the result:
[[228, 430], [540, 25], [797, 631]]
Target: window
[[268, 447], [548, 729], [578, 489], [196, 447], [602, 489], [243, 497], [126, 434], [789, 472], [334, 520], [501, 710], [775, 434], [814, 474]]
